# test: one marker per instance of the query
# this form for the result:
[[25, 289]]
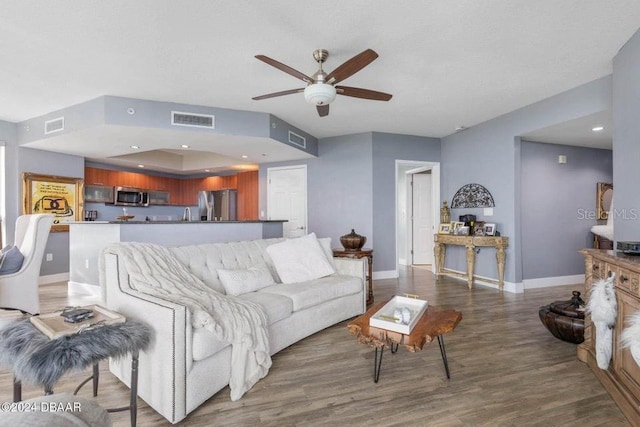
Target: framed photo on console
[[445, 228], [489, 229], [478, 228], [456, 227], [463, 231]]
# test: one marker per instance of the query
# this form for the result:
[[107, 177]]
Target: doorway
[[417, 211], [421, 221], [287, 198]]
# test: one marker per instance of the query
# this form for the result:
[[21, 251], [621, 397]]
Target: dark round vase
[[352, 241], [565, 319]]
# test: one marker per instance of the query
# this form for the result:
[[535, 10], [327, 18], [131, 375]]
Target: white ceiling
[[446, 62]]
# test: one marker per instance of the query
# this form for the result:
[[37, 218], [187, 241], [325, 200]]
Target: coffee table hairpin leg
[[377, 362], [443, 352]]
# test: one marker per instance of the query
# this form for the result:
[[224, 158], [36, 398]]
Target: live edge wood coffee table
[[434, 323]]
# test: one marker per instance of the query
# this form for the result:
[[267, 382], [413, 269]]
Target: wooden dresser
[[622, 379]]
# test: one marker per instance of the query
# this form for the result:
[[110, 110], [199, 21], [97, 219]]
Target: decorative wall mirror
[[603, 199]]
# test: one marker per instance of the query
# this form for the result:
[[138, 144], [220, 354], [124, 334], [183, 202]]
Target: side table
[[360, 253], [36, 359]]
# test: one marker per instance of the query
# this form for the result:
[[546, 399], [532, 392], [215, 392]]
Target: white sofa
[[185, 366]]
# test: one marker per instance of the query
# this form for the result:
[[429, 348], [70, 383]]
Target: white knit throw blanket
[[154, 270]]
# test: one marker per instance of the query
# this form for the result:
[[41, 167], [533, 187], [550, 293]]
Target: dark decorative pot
[[565, 319], [352, 241]]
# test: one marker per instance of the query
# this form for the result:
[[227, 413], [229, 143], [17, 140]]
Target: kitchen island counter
[[87, 239]]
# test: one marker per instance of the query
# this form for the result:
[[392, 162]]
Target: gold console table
[[471, 243]]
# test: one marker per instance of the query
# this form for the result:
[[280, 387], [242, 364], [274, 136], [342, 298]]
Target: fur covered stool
[[36, 359]]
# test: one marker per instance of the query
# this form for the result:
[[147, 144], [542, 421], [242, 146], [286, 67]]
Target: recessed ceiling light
[[244, 156], [207, 170], [135, 147], [185, 146], [597, 128], [140, 166]]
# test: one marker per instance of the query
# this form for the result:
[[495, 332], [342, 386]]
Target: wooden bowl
[[125, 217]]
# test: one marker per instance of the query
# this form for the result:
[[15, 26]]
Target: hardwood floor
[[506, 370]]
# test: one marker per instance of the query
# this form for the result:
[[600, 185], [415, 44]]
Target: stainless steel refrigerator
[[219, 205]]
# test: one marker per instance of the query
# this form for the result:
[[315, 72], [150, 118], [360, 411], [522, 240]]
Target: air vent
[[298, 140], [179, 118], [55, 125]]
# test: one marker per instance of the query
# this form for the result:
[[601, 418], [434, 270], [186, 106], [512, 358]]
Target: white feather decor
[[603, 308], [630, 337]]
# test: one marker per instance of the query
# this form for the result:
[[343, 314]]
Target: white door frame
[[420, 166], [306, 193]]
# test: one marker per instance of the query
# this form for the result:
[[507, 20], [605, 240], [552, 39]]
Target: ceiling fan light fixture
[[320, 94]]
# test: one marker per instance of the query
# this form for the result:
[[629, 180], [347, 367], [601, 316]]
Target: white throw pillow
[[325, 244], [300, 259], [238, 282]]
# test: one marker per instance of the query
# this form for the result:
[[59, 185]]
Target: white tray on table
[[54, 326], [383, 318]]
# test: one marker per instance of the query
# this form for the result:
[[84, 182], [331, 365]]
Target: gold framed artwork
[[603, 200], [58, 195]]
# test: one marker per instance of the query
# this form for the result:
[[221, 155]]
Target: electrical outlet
[[49, 257]]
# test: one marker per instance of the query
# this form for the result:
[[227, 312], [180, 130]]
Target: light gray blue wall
[[48, 163], [626, 140], [488, 154], [339, 191], [352, 185], [387, 148], [559, 206]]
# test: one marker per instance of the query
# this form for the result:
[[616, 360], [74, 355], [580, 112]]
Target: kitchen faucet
[[187, 214]]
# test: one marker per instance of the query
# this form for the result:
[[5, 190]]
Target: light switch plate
[[488, 211]]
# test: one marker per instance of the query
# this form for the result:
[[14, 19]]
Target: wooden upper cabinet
[[248, 195], [182, 192]]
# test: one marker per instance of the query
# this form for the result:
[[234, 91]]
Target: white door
[[287, 198], [422, 219]]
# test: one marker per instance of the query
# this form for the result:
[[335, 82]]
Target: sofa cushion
[[300, 259], [205, 344], [205, 259], [315, 292], [238, 282], [277, 307]]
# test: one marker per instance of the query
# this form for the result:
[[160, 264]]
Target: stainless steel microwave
[[127, 196]]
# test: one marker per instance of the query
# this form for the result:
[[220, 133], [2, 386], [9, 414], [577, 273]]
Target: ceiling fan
[[321, 87]]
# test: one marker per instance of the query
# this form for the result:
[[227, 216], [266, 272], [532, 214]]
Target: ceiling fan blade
[[351, 67], [274, 94], [356, 92], [323, 110], [280, 66]]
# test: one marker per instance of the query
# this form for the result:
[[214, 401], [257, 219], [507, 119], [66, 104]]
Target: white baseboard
[[53, 278], [514, 288], [545, 282], [389, 274], [402, 261], [77, 288]]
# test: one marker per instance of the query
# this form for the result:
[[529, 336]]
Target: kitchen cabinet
[[98, 193], [159, 197], [174, 191], [247, 195]]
